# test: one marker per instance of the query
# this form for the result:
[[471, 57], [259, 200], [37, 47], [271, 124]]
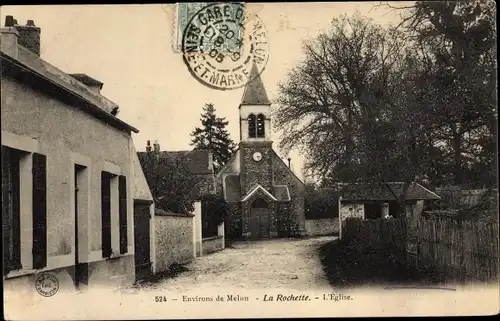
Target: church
[[265, 198]]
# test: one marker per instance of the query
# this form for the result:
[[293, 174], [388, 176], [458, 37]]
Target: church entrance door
[[259, 219]]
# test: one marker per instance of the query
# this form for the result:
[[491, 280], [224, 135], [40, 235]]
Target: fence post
[[220, 232], [340, 217]]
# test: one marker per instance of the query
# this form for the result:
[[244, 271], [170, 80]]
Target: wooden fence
[[449, 250], [458, 251], [376, 234]]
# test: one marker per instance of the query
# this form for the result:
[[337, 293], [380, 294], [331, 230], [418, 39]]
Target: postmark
[[46, 284], [222, 42]]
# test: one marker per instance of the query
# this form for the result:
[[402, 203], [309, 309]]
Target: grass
[[351, 265]]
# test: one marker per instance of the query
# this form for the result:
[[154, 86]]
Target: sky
[[130, 48]]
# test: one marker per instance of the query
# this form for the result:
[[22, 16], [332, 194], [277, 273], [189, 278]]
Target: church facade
[[264, 197]]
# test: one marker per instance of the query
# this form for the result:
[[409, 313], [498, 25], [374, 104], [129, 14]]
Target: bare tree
[[353, 106]]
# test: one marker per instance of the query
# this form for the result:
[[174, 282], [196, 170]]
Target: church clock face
[[257, 156]]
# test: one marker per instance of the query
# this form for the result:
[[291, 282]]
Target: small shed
[[378, 200]]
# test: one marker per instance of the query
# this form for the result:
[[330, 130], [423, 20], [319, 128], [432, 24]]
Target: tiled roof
[[255, 93], [162, 212], [374, 191], [232, 188], [53, 73], [198, 160], [281, 192]]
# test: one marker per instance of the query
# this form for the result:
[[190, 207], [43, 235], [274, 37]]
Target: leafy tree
[[457, 41], [214, 211], [171, 183], [213, 136], [320, 203]]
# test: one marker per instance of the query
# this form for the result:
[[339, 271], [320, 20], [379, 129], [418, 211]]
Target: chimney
[[10, 37], [156, 146], [29, 36], [148, 146], [289, 160]]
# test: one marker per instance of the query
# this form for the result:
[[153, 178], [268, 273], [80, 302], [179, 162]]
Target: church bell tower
[[255, 111]]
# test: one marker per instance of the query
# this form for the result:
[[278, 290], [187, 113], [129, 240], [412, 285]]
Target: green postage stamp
[[185, 11]]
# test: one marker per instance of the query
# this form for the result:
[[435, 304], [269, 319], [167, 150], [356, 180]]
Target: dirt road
[[278, 263]]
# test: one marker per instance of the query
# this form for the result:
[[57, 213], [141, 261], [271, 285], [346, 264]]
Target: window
[[260, 126], [106, 213], [11, 209], [122, 191], [251, 126]]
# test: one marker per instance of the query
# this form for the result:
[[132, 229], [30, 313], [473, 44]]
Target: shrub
[[321, 203], [213, 212]]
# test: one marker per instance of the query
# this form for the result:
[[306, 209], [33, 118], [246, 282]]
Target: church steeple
[[255, 111], [254, 93]]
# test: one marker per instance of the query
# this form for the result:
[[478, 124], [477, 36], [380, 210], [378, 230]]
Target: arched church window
[[260, 126], [252, 126], [259, 203]]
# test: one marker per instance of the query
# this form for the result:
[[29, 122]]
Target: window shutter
[[122, 189], [39, 211], [106, 214], [6, 224]]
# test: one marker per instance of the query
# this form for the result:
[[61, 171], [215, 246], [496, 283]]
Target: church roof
[[255, 93], [232, 188], [281, 192]]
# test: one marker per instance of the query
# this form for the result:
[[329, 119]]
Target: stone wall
[[253, 172], [282, 175], [324, 226], [287, 218], [213, 244], [174, 240]]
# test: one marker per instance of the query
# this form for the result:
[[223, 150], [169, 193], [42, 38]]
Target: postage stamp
[[221, 43], [184, 11], [46, 284]]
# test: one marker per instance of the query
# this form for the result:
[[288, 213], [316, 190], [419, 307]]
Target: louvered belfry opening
[[261, 132], [252, 126]]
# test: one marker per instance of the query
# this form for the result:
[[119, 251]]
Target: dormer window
[[252, 126], [260, 126]]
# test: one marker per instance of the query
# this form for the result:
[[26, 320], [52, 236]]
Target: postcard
[[202, 160]]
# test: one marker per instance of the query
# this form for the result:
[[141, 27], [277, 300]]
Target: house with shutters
[[264, 196], [73, 190]]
